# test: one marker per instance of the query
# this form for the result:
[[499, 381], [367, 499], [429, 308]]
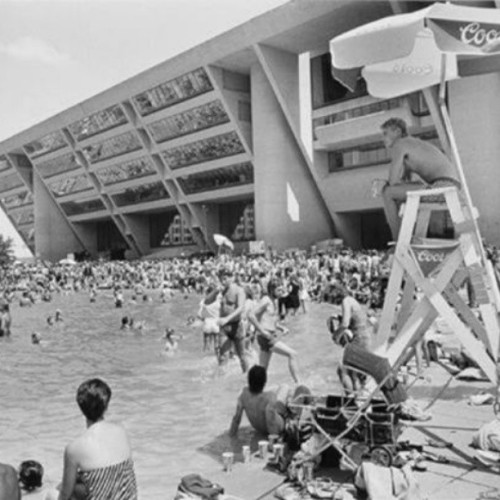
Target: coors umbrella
[[223, 241], [403, 53]]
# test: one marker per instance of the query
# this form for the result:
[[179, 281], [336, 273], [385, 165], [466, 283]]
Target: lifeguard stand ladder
[[438, 268]]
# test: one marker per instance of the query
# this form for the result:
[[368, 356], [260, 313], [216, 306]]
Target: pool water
[[176, 409]]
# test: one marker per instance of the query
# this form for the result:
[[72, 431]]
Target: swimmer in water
[[58, 316], [171, 343], [35, 338], [126, 323], [50, 320]]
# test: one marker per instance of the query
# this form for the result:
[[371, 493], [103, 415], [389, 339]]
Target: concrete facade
[[220, 138]]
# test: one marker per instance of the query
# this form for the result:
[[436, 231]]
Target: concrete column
[[54, 238], [288, 212]]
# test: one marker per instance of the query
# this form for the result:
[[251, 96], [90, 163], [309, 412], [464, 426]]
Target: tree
[[6, 251]]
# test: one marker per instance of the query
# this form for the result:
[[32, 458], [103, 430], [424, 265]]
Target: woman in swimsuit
[[98, 464], [264, 318]]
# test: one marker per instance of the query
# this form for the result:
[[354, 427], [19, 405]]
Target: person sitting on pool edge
[[98, 464], [267, 411]]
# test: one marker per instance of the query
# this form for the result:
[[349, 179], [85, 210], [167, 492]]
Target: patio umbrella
[[221, 240], [406, 52]]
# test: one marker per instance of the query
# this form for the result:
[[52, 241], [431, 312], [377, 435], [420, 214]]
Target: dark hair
[[396, 123], [257, 379], [31, 474], [93, 398]]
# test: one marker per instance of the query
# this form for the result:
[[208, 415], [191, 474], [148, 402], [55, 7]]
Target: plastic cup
[[263, 449], [278, 450], [246, 454], [227, 460]]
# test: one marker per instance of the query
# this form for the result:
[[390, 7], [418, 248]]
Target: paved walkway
[[454, 421]]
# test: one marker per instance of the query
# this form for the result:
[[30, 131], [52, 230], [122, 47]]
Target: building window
[[193, 120], [17, 200], [141, 194], [204, 150], [82, 207], [122, 172], [48, 143], [219, 178], [64, 163], [10, 181], [119, 145], [98, 122], [368, 154], [172, 92], [74, 184]]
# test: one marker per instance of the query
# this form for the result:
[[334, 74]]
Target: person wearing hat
[[232, 308]]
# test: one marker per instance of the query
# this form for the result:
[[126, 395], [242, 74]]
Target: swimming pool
[[176, 409]]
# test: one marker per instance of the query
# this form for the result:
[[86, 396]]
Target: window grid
[[141, 194], [172, 92], [121, 144], [10, 181], [64, 163], [193, 120], [98, 122], [48, 143], [123, 172], [82, 207], [205, 150], [234, 175], [17, 200], [74, 184]]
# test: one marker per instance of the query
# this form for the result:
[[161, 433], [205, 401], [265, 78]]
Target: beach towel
[[198, 486]]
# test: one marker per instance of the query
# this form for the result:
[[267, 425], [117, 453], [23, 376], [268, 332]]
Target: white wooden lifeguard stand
[[437, 269]]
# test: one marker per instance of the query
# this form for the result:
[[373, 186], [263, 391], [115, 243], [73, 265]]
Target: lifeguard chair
[[437, 269]]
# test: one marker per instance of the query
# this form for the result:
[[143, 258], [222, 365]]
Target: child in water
[[171, 343], [35, 338]]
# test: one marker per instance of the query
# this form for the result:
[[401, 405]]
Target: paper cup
[[278, 450], [227, 460], [246, 454], [263, 449]]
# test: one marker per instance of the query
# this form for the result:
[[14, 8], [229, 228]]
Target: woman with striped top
[[98, 464]]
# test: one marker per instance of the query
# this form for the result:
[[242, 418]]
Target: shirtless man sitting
[[410, 155]]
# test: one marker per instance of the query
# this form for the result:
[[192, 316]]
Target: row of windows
[[125, 171], [110, 148], [369, 109], [195, 119], [17, 200], [82, 207], [234, 175], [207, 149], [10, 181], [368, 154], [48, 143], [63, 163], [74, 184], [98, 122], [141, 194], [174, 91]]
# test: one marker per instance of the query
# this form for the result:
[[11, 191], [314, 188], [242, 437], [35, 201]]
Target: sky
[[57, 53]]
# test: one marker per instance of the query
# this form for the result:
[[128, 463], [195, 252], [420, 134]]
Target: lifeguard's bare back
[[424, 159]]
